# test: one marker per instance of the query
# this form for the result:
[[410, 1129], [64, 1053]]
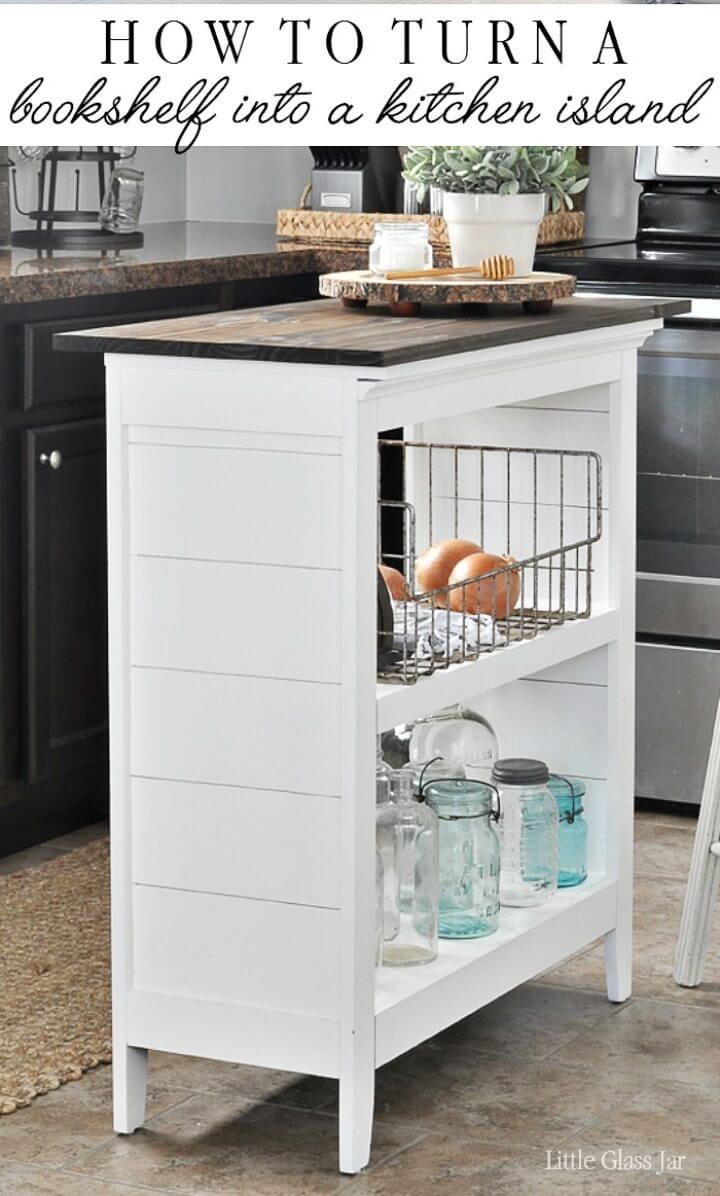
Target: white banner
[[273, 74]]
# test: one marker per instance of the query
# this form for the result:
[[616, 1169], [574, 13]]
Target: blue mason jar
[[569, 793], [469, 857]]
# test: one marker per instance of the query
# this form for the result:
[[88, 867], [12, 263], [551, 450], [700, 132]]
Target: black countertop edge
[[477, 339]]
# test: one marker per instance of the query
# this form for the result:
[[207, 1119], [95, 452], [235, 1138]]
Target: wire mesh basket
[[539, 508]]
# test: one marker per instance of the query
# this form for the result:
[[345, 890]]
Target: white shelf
[[403, 703], [413, 1004]]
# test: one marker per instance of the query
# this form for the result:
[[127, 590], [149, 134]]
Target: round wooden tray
[[535, 292]]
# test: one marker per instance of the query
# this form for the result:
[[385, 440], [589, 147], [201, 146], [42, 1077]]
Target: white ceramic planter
[[479, 225]]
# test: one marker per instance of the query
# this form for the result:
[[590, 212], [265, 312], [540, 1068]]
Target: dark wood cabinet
[[65, 584]]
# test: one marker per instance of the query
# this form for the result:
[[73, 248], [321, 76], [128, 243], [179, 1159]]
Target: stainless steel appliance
[[356, 178], [675, 252]]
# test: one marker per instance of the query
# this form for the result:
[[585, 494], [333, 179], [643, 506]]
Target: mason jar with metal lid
[[528, 828], [569, 794], [469, 857]]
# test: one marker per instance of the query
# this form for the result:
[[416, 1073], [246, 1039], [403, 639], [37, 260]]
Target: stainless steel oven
[[653, 225], [678, 594]]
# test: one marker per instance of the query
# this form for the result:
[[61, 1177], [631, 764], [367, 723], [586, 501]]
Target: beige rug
[[54, 973]]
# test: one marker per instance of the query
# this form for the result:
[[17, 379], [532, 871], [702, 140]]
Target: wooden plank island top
[[322, 332]]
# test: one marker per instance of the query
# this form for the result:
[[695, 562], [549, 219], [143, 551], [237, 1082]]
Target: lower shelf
[[413, 1004]]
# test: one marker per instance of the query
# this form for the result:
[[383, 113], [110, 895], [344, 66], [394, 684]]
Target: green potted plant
[[494, 196]]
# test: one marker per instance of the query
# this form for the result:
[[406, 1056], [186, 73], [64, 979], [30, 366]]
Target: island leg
[[358, 705], [621, 675], [129, 1087], [357, 1100]]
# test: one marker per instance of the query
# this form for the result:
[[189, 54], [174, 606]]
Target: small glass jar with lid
[[528, 828], [456, 733], [400, 246], [469, 897], [407, 840], [569, 794]]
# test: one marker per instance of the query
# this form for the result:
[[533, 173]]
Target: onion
[[434, 567], [395, 582], [496, 596]]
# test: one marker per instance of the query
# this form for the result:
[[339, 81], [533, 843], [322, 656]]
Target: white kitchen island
[[242, 509]]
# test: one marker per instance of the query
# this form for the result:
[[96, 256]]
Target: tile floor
[[550, 1067]]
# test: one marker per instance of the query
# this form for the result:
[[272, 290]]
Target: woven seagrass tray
[[357, 228]]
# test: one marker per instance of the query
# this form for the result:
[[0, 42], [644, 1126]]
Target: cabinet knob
[[53, 459]]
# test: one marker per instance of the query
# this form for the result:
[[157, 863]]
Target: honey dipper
[[496, 267]]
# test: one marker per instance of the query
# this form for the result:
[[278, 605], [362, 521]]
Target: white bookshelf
[[241, 508]]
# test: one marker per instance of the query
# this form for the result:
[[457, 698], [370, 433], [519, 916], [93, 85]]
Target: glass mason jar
[[528, 828], [122, 202], [456, 733], [407, 839], [401, 246], [569, 793], [424, 771], [469, 857]]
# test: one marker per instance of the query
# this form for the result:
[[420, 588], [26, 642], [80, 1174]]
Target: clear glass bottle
[[379, 907], [407, 839], [469, 857], [528, 828], [385, 851], [400, 246], [569, 794], [381, 765], [456, 733]]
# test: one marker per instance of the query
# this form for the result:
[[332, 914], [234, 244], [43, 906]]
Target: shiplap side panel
[[252, 732], [232, 950], [278, 442], [246, 396], [235, 505], [239, 842], [225, 617], [236, 1033]]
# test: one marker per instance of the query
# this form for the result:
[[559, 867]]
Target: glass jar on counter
[[569, 794], [122, 202], [469, 882], [400, 246], [528, 828], [456, 733], [407, 840]]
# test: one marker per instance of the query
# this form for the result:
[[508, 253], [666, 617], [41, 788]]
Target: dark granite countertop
[[183, 254], [322, 331]]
